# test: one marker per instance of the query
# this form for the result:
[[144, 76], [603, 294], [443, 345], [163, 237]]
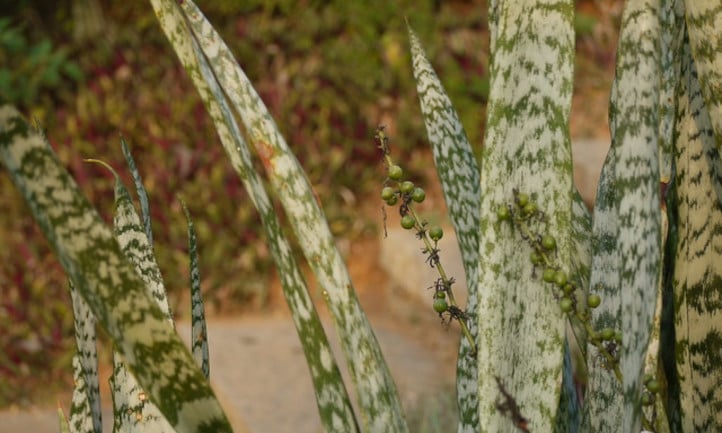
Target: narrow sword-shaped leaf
[[199, 333], [133, 411], [697, 273], [107, 281], [634, 138], [521, 329], [81, 414], [87, 354], [331, 396], [376, 391], [140, 189], [704, 19], [64, 426], [459, 175]]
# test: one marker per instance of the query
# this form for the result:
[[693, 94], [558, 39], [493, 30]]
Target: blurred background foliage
[[330, 72]]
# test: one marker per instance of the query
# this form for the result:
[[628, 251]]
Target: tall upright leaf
[[107, 281], [333, 402], [697, 272], [459, 175], [378, 399], [527, 147]]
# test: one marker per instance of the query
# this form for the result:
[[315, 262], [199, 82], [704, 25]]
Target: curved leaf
[[107, 281], [459, 175]]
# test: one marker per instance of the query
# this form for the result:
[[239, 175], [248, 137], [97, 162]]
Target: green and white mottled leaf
[[140, 189], [199, 333], [459, 174], [82, 417], [704, 20], [635, 129], [107, 281], [87, 354], [332, 399], [133, 412], [63, 422], [697, 272], [377, 396], [527, 147]]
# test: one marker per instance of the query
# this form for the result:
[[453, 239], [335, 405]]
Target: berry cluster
[[524, 214], [404, 193]]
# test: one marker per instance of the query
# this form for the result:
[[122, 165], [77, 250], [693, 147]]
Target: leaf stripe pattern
[[87, 358], [697, 275], [459, 175], [703, 24], [81, 415], [332, 399], [199, 333], [140, 189], [103, 276], [635, 133], [376, 391], [521, 330]]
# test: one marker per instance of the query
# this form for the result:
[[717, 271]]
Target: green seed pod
[[548, 242], [436, 233], [529, 209], [395, 172], [440, 305], [560, 278], [607, 334], [653, 386], [406, 186], [502, 213], [387, 193], [593, 301], [392, 200], [566, 305], [408, 222], [440, 294], [548, 275], [522, 199], [418, 195]]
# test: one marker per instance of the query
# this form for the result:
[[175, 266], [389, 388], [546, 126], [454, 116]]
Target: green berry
[[502, 213], [548, 242], [406, 186], [648, 377], [522, 199], [653, 386], [647, 399], [392, 200], [568, 288], [560, 278], [440, 305], [387, 193], [440, 294], [593, 300], [606, 333], [418, 195], [566, 305], [408, 222], [548, 275], [395, 172], [535, 258], [618, 337], [436, 233], [529, 209]]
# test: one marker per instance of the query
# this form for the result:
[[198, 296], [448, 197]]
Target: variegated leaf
[[459, 175], [199, 333], [104, 277], [87, 354], [634, 138], [527, 147], [697, 273], [140, 189], [704, 19], [82, 416], [331, 396], [377, 395]]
